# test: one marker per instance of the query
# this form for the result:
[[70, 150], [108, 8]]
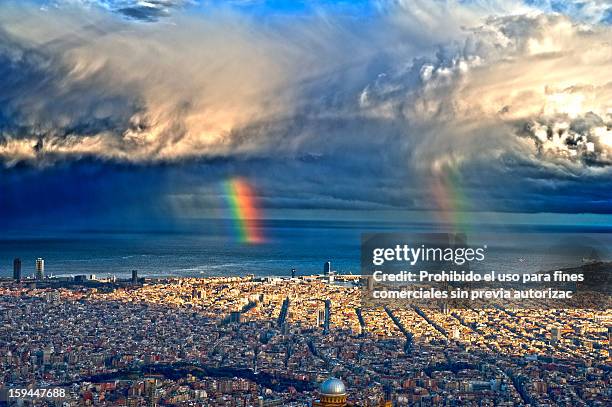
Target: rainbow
[[244, 210], [452, 203]]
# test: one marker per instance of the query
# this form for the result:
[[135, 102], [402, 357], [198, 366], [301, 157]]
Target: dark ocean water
[[208, 249]]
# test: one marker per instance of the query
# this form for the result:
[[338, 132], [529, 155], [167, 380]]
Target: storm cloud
[[79, 82], [536, 86], [399, 98]]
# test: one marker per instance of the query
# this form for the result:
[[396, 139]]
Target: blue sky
[[591, 10], [135, 112]]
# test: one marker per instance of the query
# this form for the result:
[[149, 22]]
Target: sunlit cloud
[[526, 85], [486, 90]]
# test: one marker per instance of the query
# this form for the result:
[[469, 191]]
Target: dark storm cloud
[[149, 14], [516, 184], [42, 110], [318, 113], [199, 87], [138, 10], [150, 10]]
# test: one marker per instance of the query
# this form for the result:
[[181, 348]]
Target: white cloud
[[543, 77]]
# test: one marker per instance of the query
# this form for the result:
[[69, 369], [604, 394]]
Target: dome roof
[[332, 387]]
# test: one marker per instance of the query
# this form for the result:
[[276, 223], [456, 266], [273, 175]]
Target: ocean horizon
[[211, 249]]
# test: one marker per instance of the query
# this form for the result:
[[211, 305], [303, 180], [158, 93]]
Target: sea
[[210, 249]]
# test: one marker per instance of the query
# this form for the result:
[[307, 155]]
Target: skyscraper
[[327, 268], [40, 269], [17, 269], [292, 273], [134, 276]]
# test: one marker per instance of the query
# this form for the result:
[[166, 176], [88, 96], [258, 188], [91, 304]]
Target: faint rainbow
[[245, 212], [450, 198]]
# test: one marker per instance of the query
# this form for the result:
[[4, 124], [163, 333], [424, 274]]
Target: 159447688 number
[[34, 393]]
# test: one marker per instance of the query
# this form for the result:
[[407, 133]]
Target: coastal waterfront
[[208, 249]]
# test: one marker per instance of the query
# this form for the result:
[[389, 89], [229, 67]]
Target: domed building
[[332, 393]]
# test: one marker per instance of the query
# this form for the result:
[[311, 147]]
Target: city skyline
[[305, 203]]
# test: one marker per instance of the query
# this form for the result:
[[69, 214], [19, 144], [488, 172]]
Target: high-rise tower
[[17, 269], [327, 268], [40, 269]]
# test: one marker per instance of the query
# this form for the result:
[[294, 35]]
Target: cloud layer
[[399, 97], [536, 86]]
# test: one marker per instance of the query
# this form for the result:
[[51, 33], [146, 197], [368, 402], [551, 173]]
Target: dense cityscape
[[282, 341], [306, 203]]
